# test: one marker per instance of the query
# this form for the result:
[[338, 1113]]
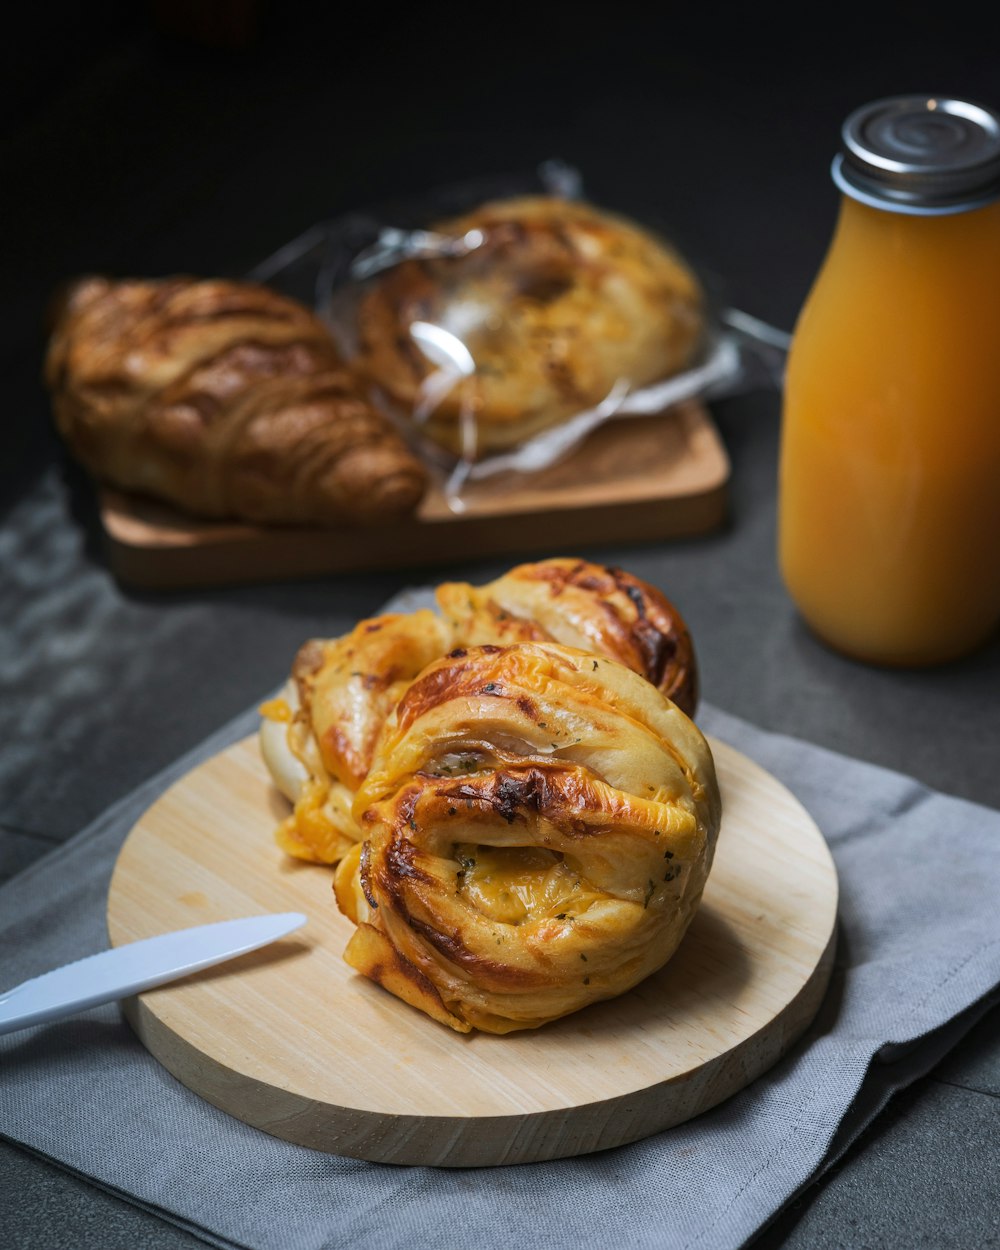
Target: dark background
[[151, 139]]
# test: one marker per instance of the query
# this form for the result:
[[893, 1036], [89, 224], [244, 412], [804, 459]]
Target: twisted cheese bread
[[557, 304], [583, 605], [226, 399], [539, 827], [318, 739]]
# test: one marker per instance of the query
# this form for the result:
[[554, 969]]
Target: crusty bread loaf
[[226, 399]]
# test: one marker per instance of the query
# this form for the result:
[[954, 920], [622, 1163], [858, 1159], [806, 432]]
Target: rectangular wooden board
[[638, 479]]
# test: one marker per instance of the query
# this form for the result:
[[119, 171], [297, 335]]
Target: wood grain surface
[[290, 1040], [633, 480]]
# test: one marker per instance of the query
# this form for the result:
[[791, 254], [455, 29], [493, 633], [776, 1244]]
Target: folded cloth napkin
[[918, 962]]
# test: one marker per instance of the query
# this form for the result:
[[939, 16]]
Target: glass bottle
[[889, 495]]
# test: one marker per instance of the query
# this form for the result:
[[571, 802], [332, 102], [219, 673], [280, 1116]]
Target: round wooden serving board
[[290, 1040]]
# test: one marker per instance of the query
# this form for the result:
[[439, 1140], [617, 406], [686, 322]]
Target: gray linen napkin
[[918, 963]]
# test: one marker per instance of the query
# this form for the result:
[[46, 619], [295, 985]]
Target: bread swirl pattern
[[584, 605], [318, 740], [539, 824], [226, 399]]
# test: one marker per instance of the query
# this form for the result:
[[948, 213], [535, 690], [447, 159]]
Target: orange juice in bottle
[[889, 497]]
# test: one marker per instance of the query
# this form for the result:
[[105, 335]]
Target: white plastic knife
[[137, 966]]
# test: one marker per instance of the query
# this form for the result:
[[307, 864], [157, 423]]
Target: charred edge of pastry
[[662, 639], [450, 946], [441, 684], [364, 876], [553, 793], [399, 859], [386, 874], [389, 875], [371, 953], [658, 643], [658, 634]]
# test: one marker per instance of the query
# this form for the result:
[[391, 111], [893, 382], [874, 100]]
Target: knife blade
[[137, 966]]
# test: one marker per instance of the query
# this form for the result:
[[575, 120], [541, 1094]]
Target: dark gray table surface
[[138, 153]]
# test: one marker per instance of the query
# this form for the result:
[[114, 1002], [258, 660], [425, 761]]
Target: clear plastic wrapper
[[500, 322]]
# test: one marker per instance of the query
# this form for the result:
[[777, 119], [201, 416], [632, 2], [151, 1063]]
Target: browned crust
[[503, 938], [225, 399], [652, 636], [372, 954]]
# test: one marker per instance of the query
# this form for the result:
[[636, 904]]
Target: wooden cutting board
[[290, 1040], [633, 480]]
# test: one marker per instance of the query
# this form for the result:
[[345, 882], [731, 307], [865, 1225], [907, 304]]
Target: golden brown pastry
[[225, 399], [558, 304], [583, 605], [317, 739], [539, 826]]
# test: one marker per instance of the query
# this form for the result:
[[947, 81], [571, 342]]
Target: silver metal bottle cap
[[925, 155]]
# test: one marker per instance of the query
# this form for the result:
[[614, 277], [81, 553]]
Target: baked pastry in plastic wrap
[[225, 399], [549, 305], [539, 826], [318, 737]]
